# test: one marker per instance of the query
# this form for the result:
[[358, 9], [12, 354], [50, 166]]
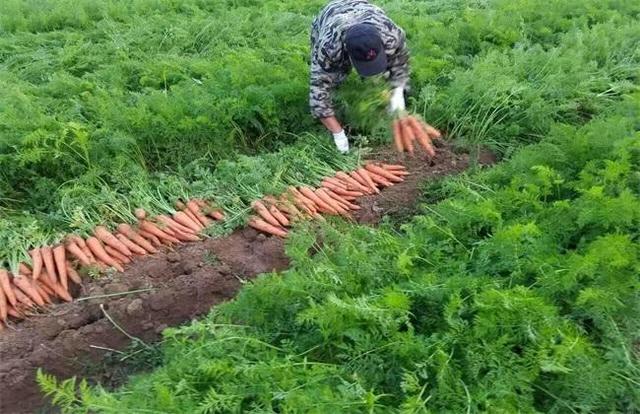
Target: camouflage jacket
[[330, 63]]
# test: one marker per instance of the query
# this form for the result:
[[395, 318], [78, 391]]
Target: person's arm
[[332, 124], [399, 71]]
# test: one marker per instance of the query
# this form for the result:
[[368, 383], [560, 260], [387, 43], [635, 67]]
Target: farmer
[[354, 33]]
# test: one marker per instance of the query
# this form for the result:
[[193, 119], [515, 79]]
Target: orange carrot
[[346, 193], [73, 274], [393, 167], [380, 180], [186, 237], [265, 227], [343, 200], [192, 217], [357, 177], [297, 195], [128, 232], [321, 193], [384, 173], [116, 255], [22, 298], [307, 192], [15, 313], [397, 136], [56, 288], [23, 269], [59, 257], [282, 219], [98, 250], [151, 228], [140, 213], [109, 239], [184, 219], [36, 263], [77, 252], [150, 238], [335, 182], [431, 131], [45, 288], [28, 289], [193, 206], [173, 225], [365, 174], [77, 240], [3, 305], [421, 135], [45, 296], [353, 183], [49, 264], [407, 135], [263, 212], [87, 252], [135, 249], [5, 284]]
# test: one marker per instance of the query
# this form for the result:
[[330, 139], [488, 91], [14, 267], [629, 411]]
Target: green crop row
[[97, 93], [518, 292]]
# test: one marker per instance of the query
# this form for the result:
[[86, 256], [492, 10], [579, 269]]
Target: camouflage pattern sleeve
[[399, 60]]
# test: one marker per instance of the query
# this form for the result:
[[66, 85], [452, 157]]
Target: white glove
[[342, 143], [397, 100]]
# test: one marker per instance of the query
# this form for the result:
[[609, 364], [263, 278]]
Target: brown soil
[[76, 339]]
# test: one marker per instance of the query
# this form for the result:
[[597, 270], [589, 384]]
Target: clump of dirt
[[174, 287], [168, 289]]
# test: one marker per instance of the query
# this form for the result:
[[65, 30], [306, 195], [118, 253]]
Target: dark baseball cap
[[365, 49]]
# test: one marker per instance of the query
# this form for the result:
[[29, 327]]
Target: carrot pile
[[408, 129], [335, 196], [53, 269]]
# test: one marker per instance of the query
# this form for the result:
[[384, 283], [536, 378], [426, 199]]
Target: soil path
[[173, 288]]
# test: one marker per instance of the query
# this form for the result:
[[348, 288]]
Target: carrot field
[[514, 288]]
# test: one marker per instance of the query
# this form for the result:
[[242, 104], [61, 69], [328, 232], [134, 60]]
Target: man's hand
[[339, 137], [341, 141], [397, 105]]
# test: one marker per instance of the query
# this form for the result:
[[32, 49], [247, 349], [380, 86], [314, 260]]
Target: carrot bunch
[[53, 268], [335, 196], [408, 129]]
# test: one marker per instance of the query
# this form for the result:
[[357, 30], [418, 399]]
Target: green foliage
[[518, 292]]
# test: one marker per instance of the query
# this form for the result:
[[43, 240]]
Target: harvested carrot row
[[353, 183], [307, 192], [45, 295], [263, 226], [23, 299], [321, 193], [60, 260], [380, 180]]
